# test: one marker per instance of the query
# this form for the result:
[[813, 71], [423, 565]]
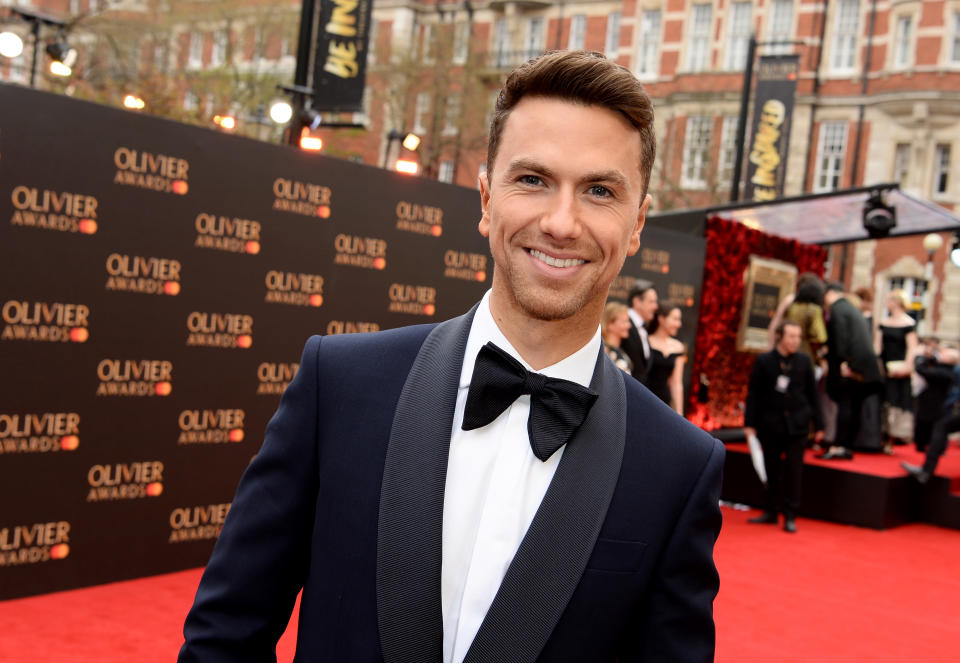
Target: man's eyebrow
[[529, 164], [610, 176], [613, 176]]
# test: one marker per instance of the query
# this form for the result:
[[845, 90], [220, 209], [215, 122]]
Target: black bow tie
[[557, 407]]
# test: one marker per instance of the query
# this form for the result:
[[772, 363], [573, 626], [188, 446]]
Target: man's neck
[[543, 343], [783, 353]]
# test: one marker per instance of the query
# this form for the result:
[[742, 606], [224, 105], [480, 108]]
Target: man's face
[[790, 340], [562, 207], [647, 304]]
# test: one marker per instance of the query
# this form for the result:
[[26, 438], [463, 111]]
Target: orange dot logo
[[665, 269], [180, 187], [171, 288], [379, 263], [323, 211], [252, 247], [163, 388], [429, 309], [436, 231], [87, 226], [689, 301], [154, 489], [236, 435], [59, 551], [244, 341], [79, 334], [69, 442], [481, 276], [316, 300]]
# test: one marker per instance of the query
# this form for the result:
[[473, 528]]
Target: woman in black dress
[[896, 340], [667, 357]]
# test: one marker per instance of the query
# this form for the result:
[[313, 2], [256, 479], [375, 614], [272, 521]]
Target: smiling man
[[505, 493]]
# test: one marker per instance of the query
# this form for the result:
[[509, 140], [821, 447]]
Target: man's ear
[[634, 244], [484, 225]]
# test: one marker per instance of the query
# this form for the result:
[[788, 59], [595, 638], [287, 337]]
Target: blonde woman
[[616, 327], [895, 339]]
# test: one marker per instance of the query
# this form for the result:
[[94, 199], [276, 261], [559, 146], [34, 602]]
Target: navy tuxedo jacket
[[345, 501]]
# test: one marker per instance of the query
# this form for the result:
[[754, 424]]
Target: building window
[[427, 51], [160, 54], [461, 42], [195, 53], [372, 43], [218, 55], [533, 42], [728, 150], [191, 101], [845, 35], [901, 163], [445, 172], [420, 113], [901, 53], [648, 55], [18, 69], [941, 168], [955, 49], [833, 147], [739, 36], [451, 116], [613, 34], [780, 26], [699, 45], [578, 32], [696, 151], [501, 43]]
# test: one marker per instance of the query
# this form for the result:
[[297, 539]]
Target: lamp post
[[61, 52], [931, 244]]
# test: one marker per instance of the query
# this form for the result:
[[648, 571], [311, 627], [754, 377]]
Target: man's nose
[[561, 220]]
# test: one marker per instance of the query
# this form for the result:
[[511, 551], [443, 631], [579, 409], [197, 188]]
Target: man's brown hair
[[583, 77]]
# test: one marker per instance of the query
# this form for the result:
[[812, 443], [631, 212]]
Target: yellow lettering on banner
[[342, 20], [342, 60]]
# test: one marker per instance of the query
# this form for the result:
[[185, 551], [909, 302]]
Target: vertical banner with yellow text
[[770, 137], [341, 55]]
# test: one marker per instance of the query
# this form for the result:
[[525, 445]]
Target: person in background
[[807, 311], [616, 328], [668, 356], [853, 372], [896, 340], [803, 280], [949, 421], [865, 304], [933, 380], [782, 401], [643, 302]]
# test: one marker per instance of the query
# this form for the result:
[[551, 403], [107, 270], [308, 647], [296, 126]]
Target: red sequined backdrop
[[729, 247]]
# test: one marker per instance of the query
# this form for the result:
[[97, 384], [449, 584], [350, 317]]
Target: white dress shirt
[[494, 487], [644, 338]]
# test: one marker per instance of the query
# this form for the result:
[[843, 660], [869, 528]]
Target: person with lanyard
[[492, 488], [782, 402]]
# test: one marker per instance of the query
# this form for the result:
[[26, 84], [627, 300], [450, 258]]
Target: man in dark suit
[[642, 305], [492, 488], [853, 371], [782, 401], [942, 373]]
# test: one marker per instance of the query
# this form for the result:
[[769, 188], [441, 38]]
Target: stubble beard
[[547, 303]]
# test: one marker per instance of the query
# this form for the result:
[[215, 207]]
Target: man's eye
[[600, 191], [532, 180]]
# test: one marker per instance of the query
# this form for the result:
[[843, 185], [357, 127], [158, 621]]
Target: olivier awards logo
[[197, 523], [32, 544], [156, 172], [294, 288], [151, 276], [39, 433], [301, 198], [219, 330], [412, 299], [135, 377], [620, 288], [274, 377], [343, 327], [420, 219], [210, 426], [655, 260], [465, 266], [125, 481], [53, 210], [225, 233], [368, 252], [54, 322], [681, 294]]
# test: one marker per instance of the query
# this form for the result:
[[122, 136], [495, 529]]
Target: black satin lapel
[[554, 553], [409, 535]]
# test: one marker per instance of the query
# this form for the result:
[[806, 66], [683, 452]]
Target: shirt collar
[[577, 367], [637, 320]]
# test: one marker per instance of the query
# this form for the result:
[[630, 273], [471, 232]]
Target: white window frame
[[421, 109], [648, 50], [533, 40], [578, 32], [612, 41], [954, 56], [942, 156], [698, 39], [218, 54], [461, 41], [195, 50], [697, 139], [726, 160], [445, 171], [372, 41], [738, 36], [780, 26], [901, 163], [451, 115], [903, 41], [501, 42], [843, 55], [427, 51], [831, 156]]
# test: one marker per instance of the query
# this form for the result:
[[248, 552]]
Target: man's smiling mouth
[[555, 262]]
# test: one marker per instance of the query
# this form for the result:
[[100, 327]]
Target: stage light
[[63, 52], [225, 122], [312, 143], [879, 218], [133, 102], [58, 68], [281, 111], [11, 45], [407, 167], [411, 141]]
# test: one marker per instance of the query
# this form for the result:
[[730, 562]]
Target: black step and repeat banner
[[157, 284], [772, 118]]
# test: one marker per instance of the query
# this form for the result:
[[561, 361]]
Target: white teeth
[[555, 262]]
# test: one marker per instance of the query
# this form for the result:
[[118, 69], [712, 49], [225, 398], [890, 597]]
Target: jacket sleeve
[[677, 616], [259, 563]]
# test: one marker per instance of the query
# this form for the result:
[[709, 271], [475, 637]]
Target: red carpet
[[830, 593]]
